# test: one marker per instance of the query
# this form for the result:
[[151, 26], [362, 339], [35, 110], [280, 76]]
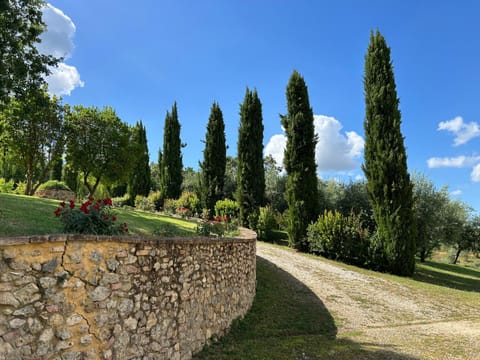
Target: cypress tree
[[251, 172], [214, 159], [388, 181], [171, 160], [140, 180], [299, 160]]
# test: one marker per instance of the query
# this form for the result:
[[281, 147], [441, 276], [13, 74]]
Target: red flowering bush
[[92, 217], [183, 212]]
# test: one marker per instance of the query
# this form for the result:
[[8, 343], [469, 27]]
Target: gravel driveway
[[385, 314]]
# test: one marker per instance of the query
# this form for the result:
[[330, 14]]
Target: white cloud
[[456, 193], [64, 79], [276, 147], [463, 132], [475, 175], [57, 40], [456, 162], [335, 152]]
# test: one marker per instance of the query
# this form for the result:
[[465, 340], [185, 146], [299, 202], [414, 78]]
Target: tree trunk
[[456, 256], [423, 255]]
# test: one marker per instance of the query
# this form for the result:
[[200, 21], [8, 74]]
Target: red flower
[[57, 212], [114, 218], [72, 204], [90, 198], [62, 204], [96, 207], [107, 201]]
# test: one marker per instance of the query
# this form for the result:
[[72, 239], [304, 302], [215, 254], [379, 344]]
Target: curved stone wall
[[88, 297]]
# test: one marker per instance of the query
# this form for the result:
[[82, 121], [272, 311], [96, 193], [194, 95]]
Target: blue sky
[[141, 57]]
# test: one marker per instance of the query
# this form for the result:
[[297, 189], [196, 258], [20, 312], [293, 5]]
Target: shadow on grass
[[448, 275], [288, 321]]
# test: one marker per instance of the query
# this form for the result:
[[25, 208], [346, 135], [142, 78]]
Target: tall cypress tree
[[388, 181], [171, 165], [299, 160], [140, 180], [251, 173], [214, 159]]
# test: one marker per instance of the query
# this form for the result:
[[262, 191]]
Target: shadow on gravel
[[452, 276], [288, 321]]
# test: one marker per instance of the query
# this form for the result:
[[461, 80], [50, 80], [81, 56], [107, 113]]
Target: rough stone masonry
[[71, 297]]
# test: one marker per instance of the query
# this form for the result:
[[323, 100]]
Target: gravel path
[[380, 313]]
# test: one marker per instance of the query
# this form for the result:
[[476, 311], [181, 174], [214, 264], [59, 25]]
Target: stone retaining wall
[[88, 297]]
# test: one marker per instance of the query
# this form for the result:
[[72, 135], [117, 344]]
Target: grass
[[287, 321], [27, 215]]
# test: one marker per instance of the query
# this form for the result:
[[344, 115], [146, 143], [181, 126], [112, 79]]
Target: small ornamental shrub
[[54, 185], [156, 197], [92, 217], [266, 223], [6, 186], [144, 203], [227, 208], [170, 206], [189, 200], [183, 212], [339, 237]]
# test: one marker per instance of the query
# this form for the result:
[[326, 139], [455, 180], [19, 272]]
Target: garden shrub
[[6, 187], [54, 185], [156, 197], [340, 238], [228, 208], [190, 201], [144, 203], [170, 206], [266, 223], [92, 217]]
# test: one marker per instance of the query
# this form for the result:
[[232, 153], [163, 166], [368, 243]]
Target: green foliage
[[214, 160], [251, 172], [228, 208], [34, 133], [6, 187], [275, 185], [157, 198], [144, 203], [171, 160], [54, 185], [93, 217], [429, 206], [266, 223], [385, 167], [139, 182], [98, 146], [302, 183], [190, 201], [170, 206], [339, 237], [22, 66]]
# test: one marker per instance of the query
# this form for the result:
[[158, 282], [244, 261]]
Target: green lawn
[[27, 215]]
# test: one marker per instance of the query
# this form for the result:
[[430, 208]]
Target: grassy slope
[[26, 215]]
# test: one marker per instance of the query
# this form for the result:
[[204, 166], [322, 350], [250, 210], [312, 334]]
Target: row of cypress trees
[[385, 166]]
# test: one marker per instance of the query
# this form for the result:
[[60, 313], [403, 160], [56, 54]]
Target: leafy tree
[[251, 176], [214, 159], [34, 133], [355, 200], [302, 183], [275, 185], [191, 181], [140, 179], [22, 67], [171, 158], [385, 167], [231, 178], [98, 146], [429, 206]]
